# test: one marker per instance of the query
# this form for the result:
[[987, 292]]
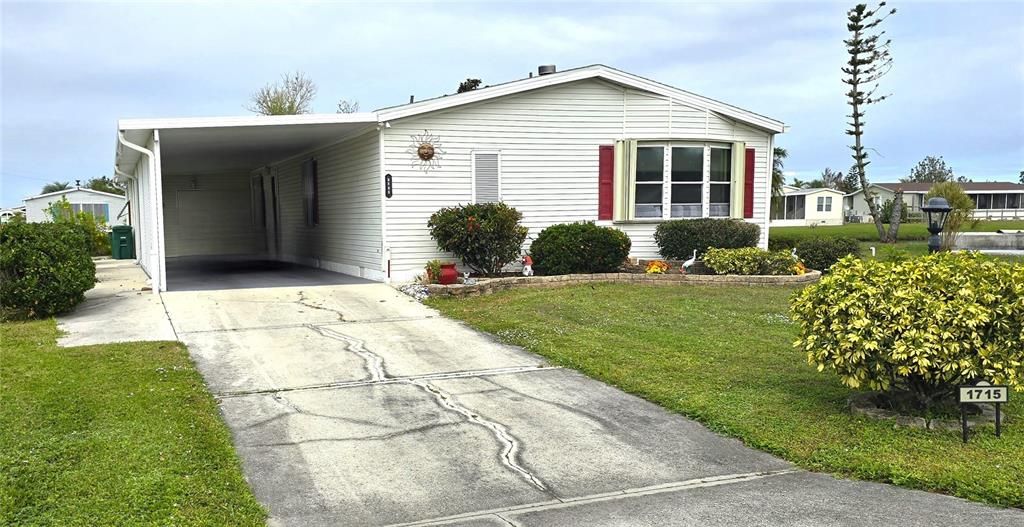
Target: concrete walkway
[[355, 405]]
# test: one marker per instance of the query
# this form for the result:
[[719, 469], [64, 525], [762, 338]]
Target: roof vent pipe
[[546, 69]]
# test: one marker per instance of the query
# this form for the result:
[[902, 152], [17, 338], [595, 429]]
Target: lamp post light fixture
[[937, 210]]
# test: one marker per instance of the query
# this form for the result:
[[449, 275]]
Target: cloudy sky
[[70, 70]]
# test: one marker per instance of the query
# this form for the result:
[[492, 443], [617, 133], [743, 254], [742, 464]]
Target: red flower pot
[[448, 274]]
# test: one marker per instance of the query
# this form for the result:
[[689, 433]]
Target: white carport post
[[156, 247]]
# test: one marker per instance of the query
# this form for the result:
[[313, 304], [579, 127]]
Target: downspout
[[154, 250]]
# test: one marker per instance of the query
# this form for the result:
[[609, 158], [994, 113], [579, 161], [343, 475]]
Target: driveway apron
[[356, 405]]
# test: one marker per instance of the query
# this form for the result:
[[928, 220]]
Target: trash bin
[[122, 243]]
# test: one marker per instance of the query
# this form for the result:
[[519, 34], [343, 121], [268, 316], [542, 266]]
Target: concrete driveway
[[355, 405]]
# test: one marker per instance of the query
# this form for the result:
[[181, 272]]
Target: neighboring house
[[353, 192], [101, 204], [7, 214], [808, 206], [992, 200]]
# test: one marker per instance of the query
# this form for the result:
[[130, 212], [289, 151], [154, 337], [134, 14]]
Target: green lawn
[[723, 355], [121, 434], [866, 232]]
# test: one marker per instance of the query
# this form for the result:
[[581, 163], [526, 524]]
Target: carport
[[235, 202]]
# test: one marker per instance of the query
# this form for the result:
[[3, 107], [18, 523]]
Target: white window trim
[[472, 173], [707, 176], [666, 192]]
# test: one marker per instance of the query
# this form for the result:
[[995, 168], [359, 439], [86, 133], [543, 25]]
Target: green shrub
[[921, 326], [821, 253], [677, 239], [45, 269], [886, 210], [749, 261], [486, 236], [579, 248], [95, 229]]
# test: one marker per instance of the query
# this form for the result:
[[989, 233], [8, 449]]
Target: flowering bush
[[922, 325], [749, 261], [656, 267]]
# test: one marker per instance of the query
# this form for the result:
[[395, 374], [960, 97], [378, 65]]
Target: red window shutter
[[748, 185], [605, 175]]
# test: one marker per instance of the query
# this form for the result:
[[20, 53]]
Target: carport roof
[[202, 145]]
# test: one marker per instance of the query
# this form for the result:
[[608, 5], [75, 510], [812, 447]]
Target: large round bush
[[677, 239], [922, 326], [486, 236], [579, 248], [822, 253], [45, 268]]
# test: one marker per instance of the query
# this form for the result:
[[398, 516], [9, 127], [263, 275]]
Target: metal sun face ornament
[[425, 151]]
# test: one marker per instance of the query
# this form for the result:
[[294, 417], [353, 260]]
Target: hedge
[[45, 268], [579, 248], [749, 261], [677, 239], [822, 253]]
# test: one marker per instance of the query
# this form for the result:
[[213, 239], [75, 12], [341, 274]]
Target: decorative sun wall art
[[425, 151]]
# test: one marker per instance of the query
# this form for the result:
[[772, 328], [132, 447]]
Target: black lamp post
[[937, 210]]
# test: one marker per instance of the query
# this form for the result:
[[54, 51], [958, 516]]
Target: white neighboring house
[[992, 200], [352, 193], [808, 206], [6, 214], [101, 204]]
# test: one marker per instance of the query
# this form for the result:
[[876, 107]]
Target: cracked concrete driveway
[[355, 405]]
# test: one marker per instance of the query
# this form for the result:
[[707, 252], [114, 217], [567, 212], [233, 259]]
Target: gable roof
[[790, 190], [596, 71], [65, 191]]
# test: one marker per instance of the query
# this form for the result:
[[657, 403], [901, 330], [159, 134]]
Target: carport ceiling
[[211, 150], [212, 145]]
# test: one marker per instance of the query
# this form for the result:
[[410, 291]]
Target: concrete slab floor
[[354, 405], [120, 308], [201, 273]]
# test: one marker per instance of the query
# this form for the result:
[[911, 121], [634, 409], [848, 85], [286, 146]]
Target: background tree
[[345, 106], [778, 164], [468, 85], [932, 169], [105, 184], [292, 96], [851, 181], [55, 186], [963, 210], [1022, 177], [869, 60], [831, 179]]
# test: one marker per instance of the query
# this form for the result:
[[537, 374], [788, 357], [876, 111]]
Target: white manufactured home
[[352, 193], [103, 205], [808, 206]]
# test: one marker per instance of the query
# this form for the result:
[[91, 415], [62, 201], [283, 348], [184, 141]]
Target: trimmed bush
[[45, 268], [486, 236], [579, 248], [749, 261], [677, 239], [822, 253], [921, 326]]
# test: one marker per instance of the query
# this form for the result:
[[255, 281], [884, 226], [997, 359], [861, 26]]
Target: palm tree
[[55, 186], [779, 161]]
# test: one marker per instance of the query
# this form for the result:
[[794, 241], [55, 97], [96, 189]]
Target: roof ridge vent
[[546, 69]]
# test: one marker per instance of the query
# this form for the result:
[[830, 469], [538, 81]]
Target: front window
[[795, 207], [687, 181], [721, 181], [984, 201], [650, 176], [676, 180], [1013, 201], [824, 203], [998, 201]]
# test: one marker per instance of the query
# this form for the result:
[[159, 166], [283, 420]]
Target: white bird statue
[[689, 263], [793, 254]]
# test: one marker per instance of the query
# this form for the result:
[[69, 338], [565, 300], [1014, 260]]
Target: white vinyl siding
[[549, 141], [347, 237], [486, 177], [98, 204]]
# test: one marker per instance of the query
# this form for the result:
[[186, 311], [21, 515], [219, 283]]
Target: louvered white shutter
[[486, 177]]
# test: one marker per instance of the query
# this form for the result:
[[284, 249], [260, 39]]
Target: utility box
[[122, 242]]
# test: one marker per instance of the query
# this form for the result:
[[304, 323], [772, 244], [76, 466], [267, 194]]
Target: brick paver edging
[[485, 286]]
